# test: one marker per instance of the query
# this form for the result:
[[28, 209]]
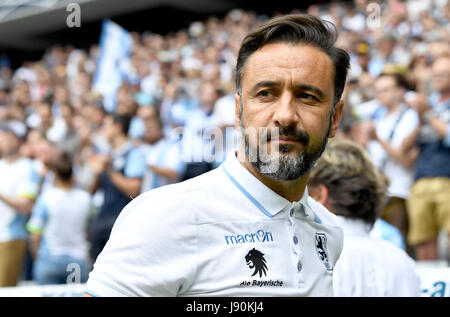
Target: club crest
[[322, 252], [255, 260]]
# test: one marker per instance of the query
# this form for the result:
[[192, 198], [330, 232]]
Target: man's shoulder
[[81, 193], [179, 194]]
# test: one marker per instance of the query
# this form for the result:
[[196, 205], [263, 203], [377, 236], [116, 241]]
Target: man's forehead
[[273, 61], [385, 81]]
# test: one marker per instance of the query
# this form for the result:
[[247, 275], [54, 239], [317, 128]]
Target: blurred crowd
[[68, 166]]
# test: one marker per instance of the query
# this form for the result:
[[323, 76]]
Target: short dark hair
[[63, 167], [297, 29], [124, 122], [399, 79], [356, 188]]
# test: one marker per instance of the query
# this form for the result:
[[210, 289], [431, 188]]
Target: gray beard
[[283, 166]]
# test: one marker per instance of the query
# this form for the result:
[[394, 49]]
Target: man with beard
[[247, 228]]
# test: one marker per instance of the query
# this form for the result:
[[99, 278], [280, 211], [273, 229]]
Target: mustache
[[297, 135]]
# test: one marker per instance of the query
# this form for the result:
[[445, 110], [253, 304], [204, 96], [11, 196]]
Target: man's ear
[[320, 194], [236, 111], [336, 120]]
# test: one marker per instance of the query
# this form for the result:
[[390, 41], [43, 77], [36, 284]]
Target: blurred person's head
[[346, 182], [3, 97], [386, 45], [45, 151], [438, 48], [115, 126], [290, 76], [171, 90], [44, 110], [127, 107], [146, 111], [61, 94], [390, 89], [67, 113], [208, 96], [11, 140], [122, 93], [440, 74], [211, 72], [84, 80], [97, 115], [34, 136], [153, 130], [62, 168], [428, 23], [17, 111], [143, 69], [21, 93], [363, 54], [314, 10]]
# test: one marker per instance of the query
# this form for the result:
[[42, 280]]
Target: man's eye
[[307, 97], [265, 93]]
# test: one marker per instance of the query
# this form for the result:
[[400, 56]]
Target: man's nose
[[286, 112]]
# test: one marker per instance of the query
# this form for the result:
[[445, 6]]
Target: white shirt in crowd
[[15, 181], [370, 267], [61, 217], [223, 233], [198, 136], [165, 154], [400, 177]]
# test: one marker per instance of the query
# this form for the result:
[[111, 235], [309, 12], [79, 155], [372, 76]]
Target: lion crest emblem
[[321, 248], [255, 260]]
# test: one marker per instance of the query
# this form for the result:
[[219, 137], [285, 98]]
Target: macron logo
[[259, 236]]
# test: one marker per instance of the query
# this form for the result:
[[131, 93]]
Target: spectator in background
[[58, 227], [346, 182], [224, 111], [429, 203], [118, 174], [169, 100], [70, 140], [44, 153], [41, 118], [396, 122], [387, 52], [162, 156], [196, 145], [17, 194], [145, 110]]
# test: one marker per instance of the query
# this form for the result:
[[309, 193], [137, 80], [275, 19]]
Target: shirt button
[[292, 212], [299, 266], [295, 240]]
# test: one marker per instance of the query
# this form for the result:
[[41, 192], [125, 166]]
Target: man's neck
[[394, 108], [290, 190], [61, 184], [12, 158], [119, 141], [155, 141]]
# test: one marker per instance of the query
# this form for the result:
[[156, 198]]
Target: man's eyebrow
[[313, 89], [265, 83], [270, 83]]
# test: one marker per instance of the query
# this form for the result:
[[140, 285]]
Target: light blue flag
[[115, 49]]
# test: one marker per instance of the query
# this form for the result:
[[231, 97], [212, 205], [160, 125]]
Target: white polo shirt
[[223, 233]]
